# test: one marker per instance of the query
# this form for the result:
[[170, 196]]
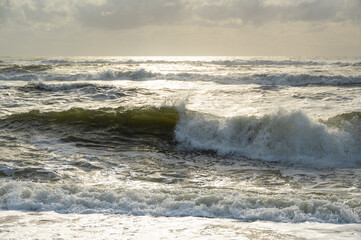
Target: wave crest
[[289, 137]]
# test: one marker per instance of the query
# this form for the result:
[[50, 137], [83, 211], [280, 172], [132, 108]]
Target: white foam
[[51, 225], [289, 137], [167, 201]]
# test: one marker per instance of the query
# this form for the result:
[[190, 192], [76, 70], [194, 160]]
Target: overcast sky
[[180, 27]]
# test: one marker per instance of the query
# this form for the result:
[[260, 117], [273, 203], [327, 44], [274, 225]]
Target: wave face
[[288, 137], [151, 119]]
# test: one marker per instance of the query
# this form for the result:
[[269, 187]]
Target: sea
[[180, 148]]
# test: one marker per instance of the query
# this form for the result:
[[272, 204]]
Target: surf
[[289, 137]]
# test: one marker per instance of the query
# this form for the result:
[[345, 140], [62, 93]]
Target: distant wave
[[90, 62], [265, 62], [287, 79], [55, 86], [305, 79], [346, 64], [197, 62], [15, 68], [41, 85], [261, 62], [131, 75], [142, 74], [225, 62], [288, 137], [57, 61]]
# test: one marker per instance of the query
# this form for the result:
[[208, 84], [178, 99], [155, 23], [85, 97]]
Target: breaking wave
[[287, 137], [142, 74]]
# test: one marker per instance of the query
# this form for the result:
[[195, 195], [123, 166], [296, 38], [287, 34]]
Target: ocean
[[180, 148]]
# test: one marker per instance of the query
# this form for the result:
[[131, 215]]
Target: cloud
[[245, 11], [35, 13], [261, 12], [4, 9], [124, 14], [156, 27], [128, 14], [319, 10]]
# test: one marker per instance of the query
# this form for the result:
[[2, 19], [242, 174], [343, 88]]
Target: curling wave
[[150, 119], [288, 137]]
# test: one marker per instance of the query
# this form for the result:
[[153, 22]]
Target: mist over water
[[226, 138]]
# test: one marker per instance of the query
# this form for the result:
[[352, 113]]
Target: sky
[[180, 27]]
